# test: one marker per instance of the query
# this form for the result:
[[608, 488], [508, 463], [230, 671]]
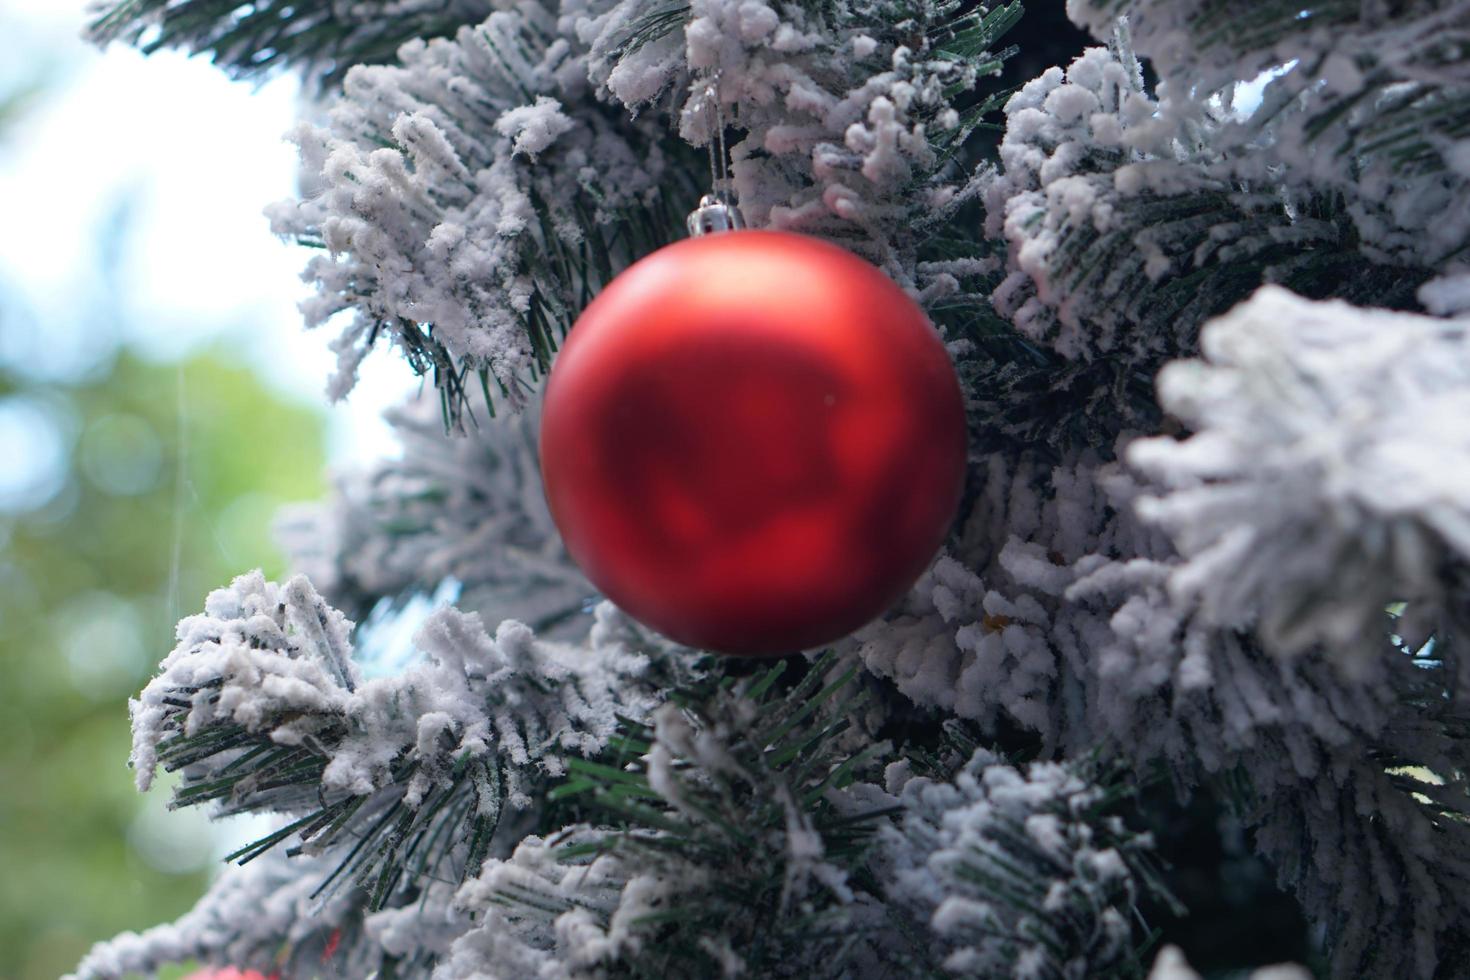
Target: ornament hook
[[717, 210], [712, 215]]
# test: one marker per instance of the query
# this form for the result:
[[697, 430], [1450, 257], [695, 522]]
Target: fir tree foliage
[[728, 833], [304, 896], [747, 845], [1129, 225], [1022, 872], [1369, 99], [322, 40], [472, 198], [1271, 606], [464, 511], [1328, 473], [260, 707], [276, 891], [1115, 214], [736, 844], [1055, 613]]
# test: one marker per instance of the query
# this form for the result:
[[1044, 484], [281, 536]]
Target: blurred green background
[[136, 474], [169, 476]]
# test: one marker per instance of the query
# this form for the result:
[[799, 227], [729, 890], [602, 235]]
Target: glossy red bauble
[[753, 442]]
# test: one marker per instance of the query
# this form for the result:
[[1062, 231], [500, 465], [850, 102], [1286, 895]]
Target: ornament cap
[[714, 214]]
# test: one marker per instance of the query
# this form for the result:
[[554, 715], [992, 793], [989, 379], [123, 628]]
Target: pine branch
[[467, 511], [736, 784], [1125, 237], [1025, 872], [400, 780], [475, 196], [743, 846], [472, 200], [1389, 889], [1057, 615], [257, 917], [1303, 747], [736, 843], [1366, 99], [322, 39], [1328, 474]]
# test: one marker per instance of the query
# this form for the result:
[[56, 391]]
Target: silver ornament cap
[[714, 214]]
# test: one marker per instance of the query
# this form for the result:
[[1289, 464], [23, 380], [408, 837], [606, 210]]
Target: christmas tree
[[1183, 681]]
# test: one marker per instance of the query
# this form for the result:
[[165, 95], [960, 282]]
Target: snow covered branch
[[748, 851], [850, 117], [475, 195], [464, 509], [1368, 99], [1328, 474], [472, 198], [244, 920], [320, 38], [261, 708], [1056, 613], [740, 832], [1021, 872], [1126, 231]]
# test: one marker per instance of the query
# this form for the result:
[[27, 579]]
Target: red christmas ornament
[[753, 442]]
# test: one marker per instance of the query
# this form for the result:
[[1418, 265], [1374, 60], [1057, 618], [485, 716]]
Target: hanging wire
[[712, 102], [719, 162], [724, 189], [717, 210]]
